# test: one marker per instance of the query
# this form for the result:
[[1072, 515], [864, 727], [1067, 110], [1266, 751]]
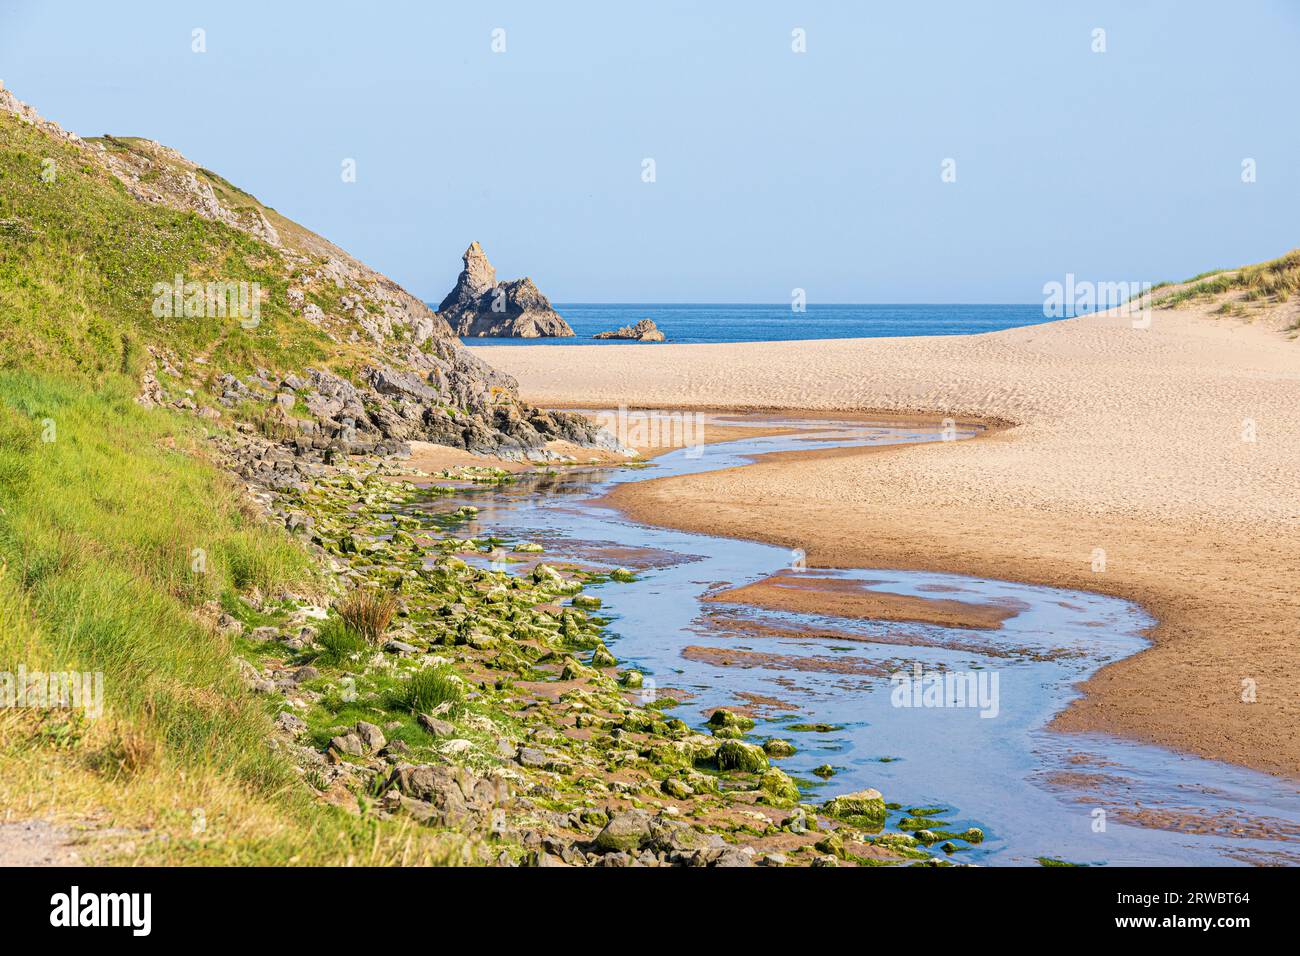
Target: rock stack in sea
[[643, 331], [481, 306]]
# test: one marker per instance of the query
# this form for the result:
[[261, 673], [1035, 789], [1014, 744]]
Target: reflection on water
[[1082, 798]]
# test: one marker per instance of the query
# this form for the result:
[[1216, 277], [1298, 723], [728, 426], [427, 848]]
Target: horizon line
[[786, 304]]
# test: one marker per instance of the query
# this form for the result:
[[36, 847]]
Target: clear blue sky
[[774, 170]]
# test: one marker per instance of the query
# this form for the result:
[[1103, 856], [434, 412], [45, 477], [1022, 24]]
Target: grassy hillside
[[79, 258], [104, 507]]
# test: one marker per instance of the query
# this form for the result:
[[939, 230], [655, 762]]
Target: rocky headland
[[380, 369]]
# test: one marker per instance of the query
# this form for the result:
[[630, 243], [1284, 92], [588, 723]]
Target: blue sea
[[683, 322]]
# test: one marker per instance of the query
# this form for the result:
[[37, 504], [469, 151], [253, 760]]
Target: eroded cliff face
[[336, 354], [480, 306]]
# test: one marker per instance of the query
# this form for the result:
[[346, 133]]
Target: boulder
[[643, 331], [627, 830], [863, 805]]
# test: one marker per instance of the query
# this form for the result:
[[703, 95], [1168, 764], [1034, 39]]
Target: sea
[[700, 323]]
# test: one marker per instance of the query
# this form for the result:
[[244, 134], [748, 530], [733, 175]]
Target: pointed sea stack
[[480, 306]]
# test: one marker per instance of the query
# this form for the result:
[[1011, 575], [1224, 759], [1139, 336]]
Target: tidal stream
[[824, 682]]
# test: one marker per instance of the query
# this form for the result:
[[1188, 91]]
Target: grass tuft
[[338, 641], [431, 688], [368, 611]]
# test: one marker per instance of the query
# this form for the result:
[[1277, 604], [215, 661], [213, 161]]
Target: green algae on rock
[[864, 806]]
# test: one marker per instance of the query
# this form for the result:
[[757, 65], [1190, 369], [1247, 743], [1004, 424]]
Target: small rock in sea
[[643, 331], [738, 755], [602, 657], [867, 804], [778, 748], [725, 718]]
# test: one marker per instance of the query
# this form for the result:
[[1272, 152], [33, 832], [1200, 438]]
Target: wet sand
[[1121, 440], [804, 592]]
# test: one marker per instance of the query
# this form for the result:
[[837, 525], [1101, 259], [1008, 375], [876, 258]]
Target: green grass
[[79, 257], [430, 688], [99, 531], [121, 542], [338, 642]]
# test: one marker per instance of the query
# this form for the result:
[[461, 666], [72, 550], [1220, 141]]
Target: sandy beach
[[1125, 441]]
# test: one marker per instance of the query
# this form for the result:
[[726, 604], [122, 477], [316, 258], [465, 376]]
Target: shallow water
[[1090, 799]]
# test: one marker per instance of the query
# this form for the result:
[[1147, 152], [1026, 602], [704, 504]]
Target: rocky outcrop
[[480, 306], [643, 331], [408, 377]]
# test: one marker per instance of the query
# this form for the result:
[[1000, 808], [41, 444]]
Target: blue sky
[[774, 170]]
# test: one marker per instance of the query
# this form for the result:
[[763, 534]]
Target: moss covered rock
[[862, 806], [722, 718], [738, 755], [778, 789], [775, 747]]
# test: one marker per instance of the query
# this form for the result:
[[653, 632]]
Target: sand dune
[[1126, 440]]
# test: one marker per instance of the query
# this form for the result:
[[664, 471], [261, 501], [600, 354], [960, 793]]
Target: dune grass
[[1265, 283]]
